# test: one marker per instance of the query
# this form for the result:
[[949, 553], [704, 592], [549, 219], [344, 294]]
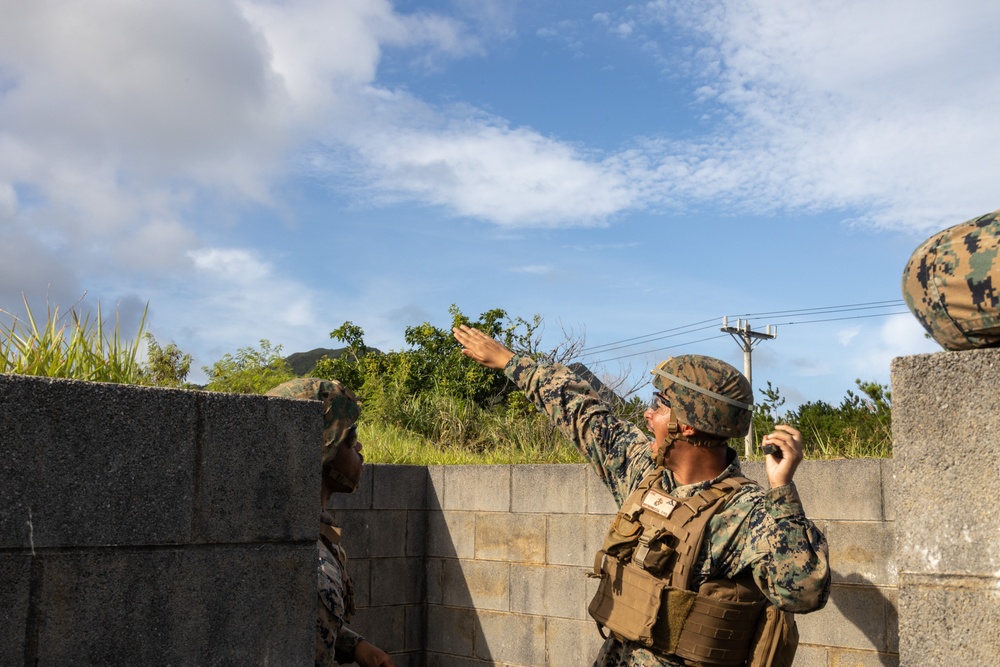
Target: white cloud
[[513, 177], [157, 244], [845, 336], [900, 335], [533, 269], [248, 299]]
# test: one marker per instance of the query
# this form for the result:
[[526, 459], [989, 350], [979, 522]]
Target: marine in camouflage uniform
[[948, 284], [342, 463], [335, 642], [765, 533]]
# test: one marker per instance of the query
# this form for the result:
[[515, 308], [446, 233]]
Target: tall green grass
[[70, 345], [434, 428]]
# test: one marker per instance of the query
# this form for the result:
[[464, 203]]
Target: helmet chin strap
[[340, 478], [673, 436]]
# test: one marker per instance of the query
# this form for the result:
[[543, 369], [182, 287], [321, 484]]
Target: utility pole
[[747, 339]]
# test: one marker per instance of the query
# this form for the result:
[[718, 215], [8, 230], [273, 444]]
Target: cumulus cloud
[[130, 133], [247, 293], [509, 176]]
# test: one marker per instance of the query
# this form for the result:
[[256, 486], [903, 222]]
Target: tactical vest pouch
[[776, 640], [639, 607], [624, 533], [636, 606], [721, 626]]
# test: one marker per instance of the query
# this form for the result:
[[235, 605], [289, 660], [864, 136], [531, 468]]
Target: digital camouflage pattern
[[948, 284], [765, 533], [698, 409], [341, 407], [336, 605]]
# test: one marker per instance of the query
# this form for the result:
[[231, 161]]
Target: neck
[[691, 464]]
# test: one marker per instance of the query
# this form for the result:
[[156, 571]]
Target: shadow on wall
[[871, 612], [410, 585]]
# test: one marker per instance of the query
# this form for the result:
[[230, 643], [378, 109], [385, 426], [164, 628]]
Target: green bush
[[249, 371]]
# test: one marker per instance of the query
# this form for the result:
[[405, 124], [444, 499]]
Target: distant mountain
[[303, 363]]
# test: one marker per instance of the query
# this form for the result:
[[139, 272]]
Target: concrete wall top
[[80, 458]]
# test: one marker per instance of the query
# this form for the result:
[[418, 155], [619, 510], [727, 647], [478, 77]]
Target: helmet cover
[[706, 394], [341, 407], [948, 284]]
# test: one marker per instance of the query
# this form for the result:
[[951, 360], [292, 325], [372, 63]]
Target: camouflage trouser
[[616, 654]]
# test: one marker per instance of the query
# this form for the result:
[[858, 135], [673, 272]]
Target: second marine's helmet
[[951, 284], [706, 394], [341, 407]]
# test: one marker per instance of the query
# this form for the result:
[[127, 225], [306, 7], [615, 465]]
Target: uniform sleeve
[[789, 554], [335, 642], [617, 450]]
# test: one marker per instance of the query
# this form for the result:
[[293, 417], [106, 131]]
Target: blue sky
[[256, 169]]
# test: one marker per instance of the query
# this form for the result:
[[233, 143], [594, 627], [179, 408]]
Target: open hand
[[368, 655], [481, 348]]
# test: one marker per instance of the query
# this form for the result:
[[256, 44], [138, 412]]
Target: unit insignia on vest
[[659, 502]]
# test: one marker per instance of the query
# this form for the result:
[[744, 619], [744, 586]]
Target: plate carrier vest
[[644, 596]]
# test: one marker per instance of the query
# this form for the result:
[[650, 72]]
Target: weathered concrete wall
[[946, 421], [155, 527], [508, 549]]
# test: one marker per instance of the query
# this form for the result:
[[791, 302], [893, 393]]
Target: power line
[[856, 317], [655, 333], [674, 332], [648, 340], [825, 309], [660, 349]]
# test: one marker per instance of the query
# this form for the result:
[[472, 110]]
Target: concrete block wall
[[386, 532], [507, 550], [946, 421], [155, 527]]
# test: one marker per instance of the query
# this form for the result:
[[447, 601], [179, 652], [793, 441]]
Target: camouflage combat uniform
[[765, 531], [335, 642]]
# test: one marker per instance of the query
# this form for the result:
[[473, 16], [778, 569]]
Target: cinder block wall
[[154, 527], [507, 550], [946, 417]]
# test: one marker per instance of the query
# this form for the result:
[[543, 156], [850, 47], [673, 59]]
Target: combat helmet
[[341, 407], [706, 394], [948, 284]]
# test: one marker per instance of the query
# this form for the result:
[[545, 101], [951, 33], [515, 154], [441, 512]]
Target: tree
[[433, 363], [165, 366], [249, 371]]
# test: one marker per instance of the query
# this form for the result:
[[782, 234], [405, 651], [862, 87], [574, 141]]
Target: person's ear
[[687, 431]]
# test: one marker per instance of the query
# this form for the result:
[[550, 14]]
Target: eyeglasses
[[658, 401]]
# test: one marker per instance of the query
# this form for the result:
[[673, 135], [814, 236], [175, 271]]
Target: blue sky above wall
[[271, 169]]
